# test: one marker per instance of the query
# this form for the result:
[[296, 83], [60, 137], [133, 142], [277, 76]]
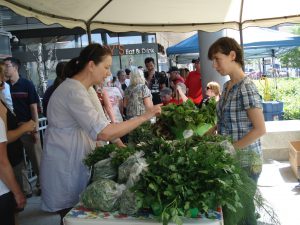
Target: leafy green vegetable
[[185, 176], [140, 134], [188, 174], [103, 195], [175, 119], [119, 155]]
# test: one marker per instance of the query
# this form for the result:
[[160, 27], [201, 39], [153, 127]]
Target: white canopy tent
[[159, 15]]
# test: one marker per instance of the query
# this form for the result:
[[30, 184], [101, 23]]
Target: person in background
[[166, 95], [74, 126], [128, 74], [141, 68], [116, 100], [5, 93], [137, 98], [179, 97], [14, 144], [25, 101], [14, 149], [183, 73], [175, 76], [194, 84], [213, 90], [58, 80], [120, 82], [180, 94], [239, 110], [187, 71], [105, 102], [115, 83], [163, 80], [152, 80], [11, 195]]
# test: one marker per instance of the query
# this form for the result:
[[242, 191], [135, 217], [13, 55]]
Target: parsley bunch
[[188, 174], [175, 119]]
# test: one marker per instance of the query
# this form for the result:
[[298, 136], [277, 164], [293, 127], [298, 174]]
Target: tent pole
[[241, 30], [241, 35], [88, 32], [242, 41]]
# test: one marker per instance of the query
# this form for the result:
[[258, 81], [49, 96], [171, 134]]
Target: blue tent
[[189, 45], [258, 43]]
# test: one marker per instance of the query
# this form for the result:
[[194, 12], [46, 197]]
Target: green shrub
[[286, 90]]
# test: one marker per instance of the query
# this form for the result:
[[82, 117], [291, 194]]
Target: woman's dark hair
[[127, 71], [60, 77], [120, 72], [225, 45], [93, 52]]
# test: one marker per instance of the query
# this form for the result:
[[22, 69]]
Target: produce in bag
[[104, 170], [103, 195], [128, 203], [129, 170], [228, 147]]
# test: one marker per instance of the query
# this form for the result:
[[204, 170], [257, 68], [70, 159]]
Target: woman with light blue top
[[76, 121]]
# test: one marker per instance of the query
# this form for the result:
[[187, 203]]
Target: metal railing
[[42, 128]]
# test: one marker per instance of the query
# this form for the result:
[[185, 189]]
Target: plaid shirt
[[233, 120]]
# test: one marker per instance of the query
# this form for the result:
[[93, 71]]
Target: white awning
[[159, 15]]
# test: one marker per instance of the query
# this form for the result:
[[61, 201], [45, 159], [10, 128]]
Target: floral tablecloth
[[83, 216]]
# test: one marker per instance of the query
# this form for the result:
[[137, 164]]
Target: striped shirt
[[233, 120]]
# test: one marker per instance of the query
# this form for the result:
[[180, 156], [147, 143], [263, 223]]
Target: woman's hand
[[29, 126], [153, 111], [119, 143], [179, 89], [20, 200]]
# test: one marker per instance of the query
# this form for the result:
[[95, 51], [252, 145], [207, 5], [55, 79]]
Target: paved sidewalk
[[277, 184], [32, 215]]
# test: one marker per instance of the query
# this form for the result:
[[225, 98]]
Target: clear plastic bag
[[129, 170], [228, 147], [103, 195], [128, 204], [104, 170]]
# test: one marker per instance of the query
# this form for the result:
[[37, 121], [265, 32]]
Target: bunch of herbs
[[175, 119], [188, 174]]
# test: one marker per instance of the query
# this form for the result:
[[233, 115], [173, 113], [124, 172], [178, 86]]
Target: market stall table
[[83, 216]]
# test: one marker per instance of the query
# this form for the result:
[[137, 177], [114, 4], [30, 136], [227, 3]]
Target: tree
[[291, 59]]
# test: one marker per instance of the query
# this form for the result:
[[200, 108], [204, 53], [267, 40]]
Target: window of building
[[96, 38], [151, 38], [62, 42], [130, 40], [112, 38]]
